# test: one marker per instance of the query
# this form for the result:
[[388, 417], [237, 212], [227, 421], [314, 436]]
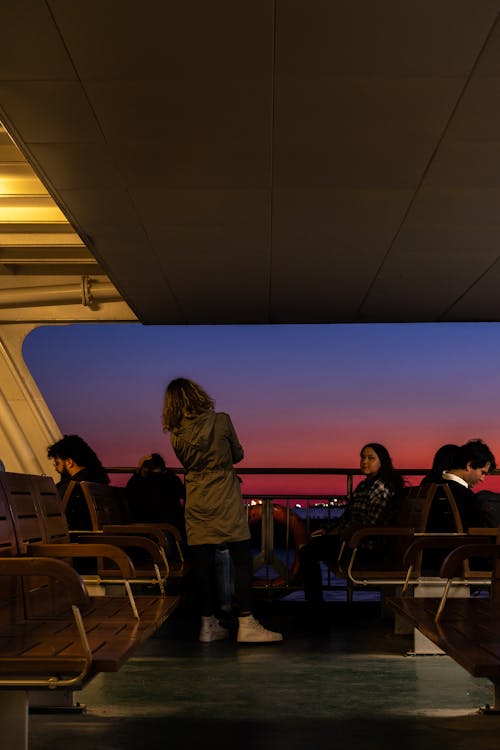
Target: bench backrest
[[383, 555], [444, 516], [50, 510], [11, 599], [416, 503], [414, 506], [106, 504], [20, 497], [34, 502]]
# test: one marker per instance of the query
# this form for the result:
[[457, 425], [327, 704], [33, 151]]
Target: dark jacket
[[77, 512], [441, 516], [156, 498]]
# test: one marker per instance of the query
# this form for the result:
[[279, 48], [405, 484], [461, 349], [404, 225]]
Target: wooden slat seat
[[55, 652], [411, 520], [107, 509], [52, 633], [51, 511], [29, 504], [467, 629], [445, 543], [39, 520]]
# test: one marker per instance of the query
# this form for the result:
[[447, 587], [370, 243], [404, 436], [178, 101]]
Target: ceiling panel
[[269, 160]]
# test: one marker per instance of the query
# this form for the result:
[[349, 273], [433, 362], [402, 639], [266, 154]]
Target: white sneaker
[[212, 630], [251, 631]]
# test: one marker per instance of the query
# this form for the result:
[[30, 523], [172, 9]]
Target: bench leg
[[495, 708], [53, 702], [14, 719], [433, 587]]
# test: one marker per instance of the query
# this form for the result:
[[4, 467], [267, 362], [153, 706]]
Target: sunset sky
[[299, 396]]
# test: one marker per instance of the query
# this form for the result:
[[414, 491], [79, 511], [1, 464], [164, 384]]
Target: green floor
[[350, 683]]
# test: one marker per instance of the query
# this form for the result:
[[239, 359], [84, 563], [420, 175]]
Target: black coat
[[156, 498]]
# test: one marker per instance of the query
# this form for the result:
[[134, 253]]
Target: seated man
[[75, 461], [473, 461]]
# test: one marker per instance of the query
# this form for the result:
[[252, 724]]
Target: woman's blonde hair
[[184, 397]]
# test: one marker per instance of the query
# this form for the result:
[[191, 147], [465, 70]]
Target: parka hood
[[196, 430]]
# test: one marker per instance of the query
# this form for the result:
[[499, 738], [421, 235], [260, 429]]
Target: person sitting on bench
[[75, 461], [155, 494], [444, 457], [373, 503], [473, 461]]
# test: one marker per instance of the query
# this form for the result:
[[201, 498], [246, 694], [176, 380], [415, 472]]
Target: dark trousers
[[204, 567], [320, 548]]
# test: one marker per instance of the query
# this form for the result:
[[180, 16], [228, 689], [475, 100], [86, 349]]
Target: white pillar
[[27, 426]]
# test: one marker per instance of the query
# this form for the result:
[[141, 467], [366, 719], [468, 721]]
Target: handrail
[[282, 470], [349, 473], [330, 500]]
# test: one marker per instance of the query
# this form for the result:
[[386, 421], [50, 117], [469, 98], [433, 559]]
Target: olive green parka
[[207, 446]]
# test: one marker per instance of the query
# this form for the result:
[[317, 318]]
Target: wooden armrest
[[479, 549], [484, 531], [435, 542], [380, 531], [453, 561], [171, 530], [159, 526], [108, 551], [137, 529], [124, 541], [44, 566]]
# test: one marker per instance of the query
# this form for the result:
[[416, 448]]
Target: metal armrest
[[378, 531]]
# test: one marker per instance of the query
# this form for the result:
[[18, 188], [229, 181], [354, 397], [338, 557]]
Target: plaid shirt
[[371, 504]]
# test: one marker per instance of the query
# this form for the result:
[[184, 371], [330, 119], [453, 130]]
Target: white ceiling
[[260, 161]]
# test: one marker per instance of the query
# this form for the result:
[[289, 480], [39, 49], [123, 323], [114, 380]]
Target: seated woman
[[373, 503], [444, 459]]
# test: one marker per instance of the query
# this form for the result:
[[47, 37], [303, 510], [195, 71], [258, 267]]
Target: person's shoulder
[[380, 485], [133, 480], [222, 418]]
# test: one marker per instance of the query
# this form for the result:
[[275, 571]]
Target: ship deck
[[350, 680]]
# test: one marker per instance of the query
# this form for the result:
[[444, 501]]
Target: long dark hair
[[387, 473], [184, 397]]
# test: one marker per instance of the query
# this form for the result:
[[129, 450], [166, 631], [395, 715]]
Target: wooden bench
[[109, 515], [53, 635], [386, 564], [471, 574], [467, 629], [39, 520], [369, 570]]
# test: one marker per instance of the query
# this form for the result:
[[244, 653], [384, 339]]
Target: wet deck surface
[[348, 682]]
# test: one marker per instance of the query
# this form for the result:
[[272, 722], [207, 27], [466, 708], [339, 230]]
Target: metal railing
[[275, 563], [287, 471]]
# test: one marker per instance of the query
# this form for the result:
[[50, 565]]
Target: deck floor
[[349, 681]]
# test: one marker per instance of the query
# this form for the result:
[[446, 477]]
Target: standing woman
[[207, 446]]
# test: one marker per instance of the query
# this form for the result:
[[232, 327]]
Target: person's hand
[[318, 532]]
